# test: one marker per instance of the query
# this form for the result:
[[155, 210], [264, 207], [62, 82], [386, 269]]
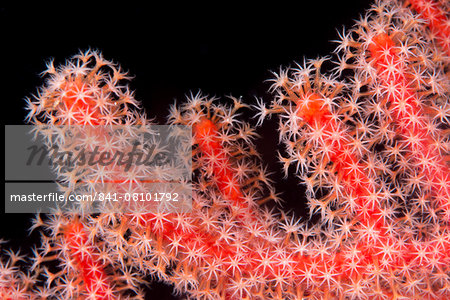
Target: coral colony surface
[[365, 130]]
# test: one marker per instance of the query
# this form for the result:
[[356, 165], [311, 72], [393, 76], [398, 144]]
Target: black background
[[171, 51]]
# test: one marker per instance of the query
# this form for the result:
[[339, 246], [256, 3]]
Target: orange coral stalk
[[96, 282]]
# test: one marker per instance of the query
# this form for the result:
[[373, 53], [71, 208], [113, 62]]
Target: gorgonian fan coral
[[365, 130]]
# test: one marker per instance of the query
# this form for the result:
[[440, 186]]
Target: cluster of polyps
[[369, 142], [370, 148]]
